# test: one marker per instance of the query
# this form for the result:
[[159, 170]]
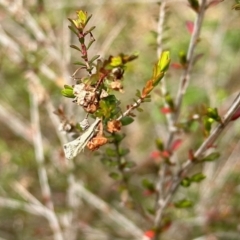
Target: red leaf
[[150, 234], [155, 154], [166, 154], [176, 65], [166, 110], [166, 226], [236, 115], [214, 3], [148, 192], [176, 144], [190, 26]]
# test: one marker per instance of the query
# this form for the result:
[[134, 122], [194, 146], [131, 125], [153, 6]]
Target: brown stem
[[131, 108], [84, 51]]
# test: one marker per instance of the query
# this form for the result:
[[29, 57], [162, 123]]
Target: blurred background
[[82, 201]]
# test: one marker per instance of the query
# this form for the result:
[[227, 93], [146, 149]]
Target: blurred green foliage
[[219, 45]]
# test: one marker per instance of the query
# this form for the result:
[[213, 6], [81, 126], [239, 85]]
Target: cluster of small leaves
[[184, 203], [94, 92], [205, 117], [158, 73], [210, 117], [116, 157], [198, 177]]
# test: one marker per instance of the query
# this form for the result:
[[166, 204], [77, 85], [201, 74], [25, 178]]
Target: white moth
[[73, 148]]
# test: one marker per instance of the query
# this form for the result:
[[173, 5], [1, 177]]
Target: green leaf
[[184, 203], [80, 63], [157, 79], [163, 62], [67, 92], [126, 120], [73, 30], [151, 210], [106, 161], [211, 157], [208, 124], [194, 4], [90, 44], [115, 176], [111, 152], [68, 87], [75, 47], [138, 93], [213, 113], [148, 185], [108, 107], [182, 57], [91, 29], [94, 58], [130, 164], [198, 177], [110, 162], [90, 16], [118, 137], [160, 68], [147, 100], [72, 21], [186, 182], [139, 109], [116, 61], [123, 151], [236, 6], [169, 100], [159, 144], [128, 58]]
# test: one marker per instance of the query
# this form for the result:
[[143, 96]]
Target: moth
[[73, 148]]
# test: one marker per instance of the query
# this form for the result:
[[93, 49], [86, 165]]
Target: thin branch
[[160, 26], [185, 78], [39, 155], [169, 116], [161, 19], [113, 34], [17, 125], [38, 149], [25, 194], [162, 201], [11, 46], [184, 81], [81, 192], [17, 57], [31, 23], [131, 108], [190, 163], [38, 210]]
